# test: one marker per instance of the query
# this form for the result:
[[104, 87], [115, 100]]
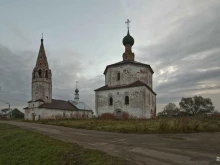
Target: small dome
[[76, 90], [128, 40]]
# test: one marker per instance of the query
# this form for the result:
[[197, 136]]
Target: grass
[[159, 125], [21, 147]]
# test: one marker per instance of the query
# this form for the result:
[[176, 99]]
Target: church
[[128, 86], [42, 106]]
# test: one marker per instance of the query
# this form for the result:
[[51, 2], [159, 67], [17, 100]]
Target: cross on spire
[[127, 22]]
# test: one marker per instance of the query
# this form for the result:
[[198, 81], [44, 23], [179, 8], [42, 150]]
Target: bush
[[107, 116], [125, 115]]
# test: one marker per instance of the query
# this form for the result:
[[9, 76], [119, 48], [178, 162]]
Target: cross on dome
[[127, 22]]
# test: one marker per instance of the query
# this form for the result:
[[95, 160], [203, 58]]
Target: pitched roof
[[39, 100], [135, 84], [80, 105], [128, 62], [58, 104]]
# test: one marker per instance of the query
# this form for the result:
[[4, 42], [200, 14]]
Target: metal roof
[[80, 105]]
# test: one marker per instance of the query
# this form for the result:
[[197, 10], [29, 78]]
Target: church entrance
[[33, 116], [118, 113]]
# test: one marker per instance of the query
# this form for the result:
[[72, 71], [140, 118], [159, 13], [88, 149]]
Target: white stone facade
[[42, 89], [129, 73], [142, 102], [44, 113], [121, 80]]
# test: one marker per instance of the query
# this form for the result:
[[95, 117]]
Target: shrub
[[125, 115], [107, 116]]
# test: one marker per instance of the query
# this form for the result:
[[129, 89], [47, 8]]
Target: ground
[[18, 146], [144, 149]]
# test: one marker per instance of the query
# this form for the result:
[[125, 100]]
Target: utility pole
[[9, 109]]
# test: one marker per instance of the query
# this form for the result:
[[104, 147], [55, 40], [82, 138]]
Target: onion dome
[[128, 40], [77, 91]]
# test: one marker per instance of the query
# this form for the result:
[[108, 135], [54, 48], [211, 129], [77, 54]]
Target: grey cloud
[[15, 77], [193, 35]]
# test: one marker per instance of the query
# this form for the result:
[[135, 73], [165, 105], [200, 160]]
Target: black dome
[[128, 40]]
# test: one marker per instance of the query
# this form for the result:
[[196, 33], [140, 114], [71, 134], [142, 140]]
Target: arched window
[[118, 76], [126, 100], [110, 101], [33, 74], [46, 74], [40, 73]]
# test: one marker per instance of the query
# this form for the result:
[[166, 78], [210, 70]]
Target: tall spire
[[76, 93], [42, 58]]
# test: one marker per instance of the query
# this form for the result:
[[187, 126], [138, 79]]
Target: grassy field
[[22, 147], [159, 125]]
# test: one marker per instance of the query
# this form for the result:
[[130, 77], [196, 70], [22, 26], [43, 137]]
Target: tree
[[196, 105], [5, 110], [169, 110]]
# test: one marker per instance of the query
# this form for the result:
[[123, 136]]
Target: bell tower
[[42, 78]]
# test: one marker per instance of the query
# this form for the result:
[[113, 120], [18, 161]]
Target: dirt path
[[148, 149]]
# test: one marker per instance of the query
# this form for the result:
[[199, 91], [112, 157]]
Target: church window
[[40, 73], [118, 76], [117, 93], [110, 101], [34, 75], [150, 79], [126, 100], [46, 74]]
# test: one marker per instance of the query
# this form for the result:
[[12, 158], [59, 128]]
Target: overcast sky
[[179, 39]]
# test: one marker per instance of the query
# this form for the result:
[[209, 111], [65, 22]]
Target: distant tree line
[[189, 106]]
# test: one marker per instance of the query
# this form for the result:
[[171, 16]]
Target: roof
[[58, 104], [39, 100], [128, 62], [80, 105], [135, 84], [42, 58]]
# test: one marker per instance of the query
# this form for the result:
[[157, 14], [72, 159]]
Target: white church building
[[128, 87], [42, 106]]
